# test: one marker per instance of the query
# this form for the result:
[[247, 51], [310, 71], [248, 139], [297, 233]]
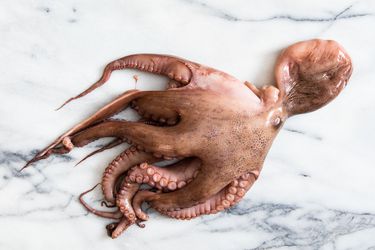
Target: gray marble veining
[[317, 187]]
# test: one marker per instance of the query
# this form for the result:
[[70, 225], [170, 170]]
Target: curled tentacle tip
[[140, 224], [110, 228], [107, 204]]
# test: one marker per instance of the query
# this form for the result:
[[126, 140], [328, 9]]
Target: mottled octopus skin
[[218, 127]]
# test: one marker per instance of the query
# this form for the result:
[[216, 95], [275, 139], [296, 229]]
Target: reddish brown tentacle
[[140, 224], [124, 199], [193, 194], [121, 227], [226, 198], [105, 203], [138, 200], [120, 165], [106, 74], [110, 145], [110, 228], [104, 214], [162, 141], [105, 112], [175, 68], [167, 178], [162, 107]]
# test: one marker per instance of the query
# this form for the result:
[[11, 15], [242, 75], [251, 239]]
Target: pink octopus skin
[[218, 127]]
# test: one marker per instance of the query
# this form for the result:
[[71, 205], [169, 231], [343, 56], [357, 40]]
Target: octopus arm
[[175, 68], [61, 144]]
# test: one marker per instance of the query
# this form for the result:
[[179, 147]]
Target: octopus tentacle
[[110, 228], [120, 227], [106, 204], [172, 177], [124, 199], [105, 112], [120, 165], [192, 194], [162, 141], [164, 107], [226, 198], [110, 145], [158, 114], [172, 84], [139, 198], [167, 178], [104, 214], [58, 151], [175, 68]]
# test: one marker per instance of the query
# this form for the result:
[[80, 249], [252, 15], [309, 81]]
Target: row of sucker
[[226, 198], [150, 66], [165, 179], [169, 121], [124, 199], [130, 185], [120, 165]]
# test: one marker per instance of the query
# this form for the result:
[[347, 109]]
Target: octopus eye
[[310, 74]]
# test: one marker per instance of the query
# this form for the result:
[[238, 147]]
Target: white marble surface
[[317, 187]]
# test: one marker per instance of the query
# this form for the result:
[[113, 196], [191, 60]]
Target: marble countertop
[[317, 188]]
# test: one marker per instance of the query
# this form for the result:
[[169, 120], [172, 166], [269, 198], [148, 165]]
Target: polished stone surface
[[316, 190]]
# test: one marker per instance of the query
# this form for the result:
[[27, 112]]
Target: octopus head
[[310, 74]]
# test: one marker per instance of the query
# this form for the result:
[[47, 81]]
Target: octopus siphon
[[216, 129]]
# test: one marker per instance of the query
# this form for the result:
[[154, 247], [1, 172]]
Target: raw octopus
[[217, 129]]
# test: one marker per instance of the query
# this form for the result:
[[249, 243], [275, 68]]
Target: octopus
[[212, 130]]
